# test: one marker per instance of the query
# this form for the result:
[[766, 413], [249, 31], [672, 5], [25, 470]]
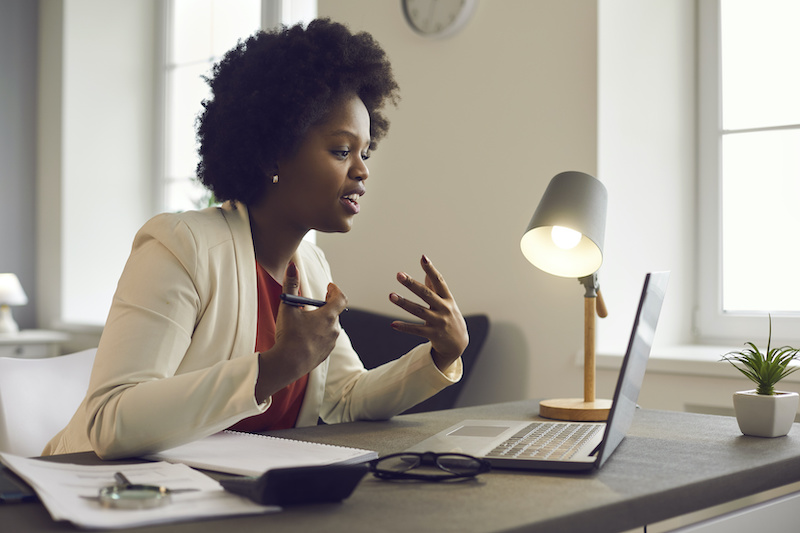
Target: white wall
[[647, 140], [18, 48], [49, 161], [487, 118], [95, 167], [647, 159]]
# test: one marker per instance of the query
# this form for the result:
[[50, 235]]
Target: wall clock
[[438, 18]]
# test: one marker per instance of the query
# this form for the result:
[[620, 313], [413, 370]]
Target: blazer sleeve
[[353, 393], [165, 373]]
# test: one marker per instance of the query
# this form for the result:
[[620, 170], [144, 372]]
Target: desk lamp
[[565, 238], [11, 293]]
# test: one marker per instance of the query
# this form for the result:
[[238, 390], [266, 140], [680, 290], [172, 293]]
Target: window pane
[[233, 20], [760, 78], [186, 90], [201, 31], [185, 195], [191, 31], [294, 11], [761, 221]]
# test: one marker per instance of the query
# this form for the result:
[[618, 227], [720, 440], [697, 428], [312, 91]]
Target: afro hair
[[269, 89]]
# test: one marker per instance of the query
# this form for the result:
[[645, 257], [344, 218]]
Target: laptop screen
[[633, 366]]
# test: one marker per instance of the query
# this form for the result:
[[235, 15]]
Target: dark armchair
[[376, 343]]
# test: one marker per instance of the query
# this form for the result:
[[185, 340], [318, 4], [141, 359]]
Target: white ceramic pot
[[765, 416]]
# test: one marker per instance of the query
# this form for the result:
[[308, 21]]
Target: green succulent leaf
[[764, 369]]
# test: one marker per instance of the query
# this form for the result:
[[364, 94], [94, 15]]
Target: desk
[[32, 343], [670, 464]]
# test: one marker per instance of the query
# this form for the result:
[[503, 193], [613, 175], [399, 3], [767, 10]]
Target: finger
[[414, 308], [412, 329], [434, 279], [291, 280], [423, 291], [335, 299]]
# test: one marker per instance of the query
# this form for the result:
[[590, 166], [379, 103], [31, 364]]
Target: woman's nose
[[359, 171]]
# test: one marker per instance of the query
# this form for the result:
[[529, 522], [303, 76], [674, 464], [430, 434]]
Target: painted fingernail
[[402, 276], [291, 270], [425, 259]]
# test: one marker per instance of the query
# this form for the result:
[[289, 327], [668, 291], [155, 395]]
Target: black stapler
[[305, 484]]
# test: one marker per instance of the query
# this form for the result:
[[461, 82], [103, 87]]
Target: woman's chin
[[338, 228]]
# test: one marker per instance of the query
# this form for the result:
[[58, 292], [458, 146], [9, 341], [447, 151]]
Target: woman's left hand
[[443, 324]]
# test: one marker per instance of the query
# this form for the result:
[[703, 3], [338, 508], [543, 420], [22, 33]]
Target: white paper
[[61, 487], [251, 454]]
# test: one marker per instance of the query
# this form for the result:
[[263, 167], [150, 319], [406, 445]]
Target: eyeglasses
[[434, 466]]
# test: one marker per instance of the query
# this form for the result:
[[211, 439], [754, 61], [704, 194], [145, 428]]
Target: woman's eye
[[344, 154]]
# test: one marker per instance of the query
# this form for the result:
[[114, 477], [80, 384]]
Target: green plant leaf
[[764, 369]]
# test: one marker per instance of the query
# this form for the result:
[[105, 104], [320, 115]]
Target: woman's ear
[[270, 170]]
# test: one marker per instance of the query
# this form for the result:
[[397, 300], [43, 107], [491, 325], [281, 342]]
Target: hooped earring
[[275, 178]]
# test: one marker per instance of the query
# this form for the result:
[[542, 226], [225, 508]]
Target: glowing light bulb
[[565, 238]]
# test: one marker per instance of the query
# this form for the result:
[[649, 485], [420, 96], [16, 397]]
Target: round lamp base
[[575, 410]]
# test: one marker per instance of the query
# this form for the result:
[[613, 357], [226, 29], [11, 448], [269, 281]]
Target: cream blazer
[[176, 360]]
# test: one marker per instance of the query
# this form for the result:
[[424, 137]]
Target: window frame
[[711, 323], [273, 14], [270, 9]]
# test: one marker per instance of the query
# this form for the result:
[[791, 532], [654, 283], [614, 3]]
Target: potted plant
[[764, 412]]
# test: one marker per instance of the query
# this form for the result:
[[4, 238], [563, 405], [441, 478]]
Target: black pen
[[299, 301]]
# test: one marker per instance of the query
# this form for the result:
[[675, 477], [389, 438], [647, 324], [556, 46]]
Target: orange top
[[282, 413]]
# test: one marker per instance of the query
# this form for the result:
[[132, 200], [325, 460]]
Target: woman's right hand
[[304, 338]]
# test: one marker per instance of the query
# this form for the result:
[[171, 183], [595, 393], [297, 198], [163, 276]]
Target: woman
[[197, 339]]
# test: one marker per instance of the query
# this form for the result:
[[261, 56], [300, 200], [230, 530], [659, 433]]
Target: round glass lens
[[459, 464], [133, 496], [398, 463]]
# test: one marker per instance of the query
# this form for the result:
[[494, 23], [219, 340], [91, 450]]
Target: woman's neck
[[274, 241]]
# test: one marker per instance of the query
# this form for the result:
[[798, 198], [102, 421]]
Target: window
[[749, 169], [117, 138], [198, 33]]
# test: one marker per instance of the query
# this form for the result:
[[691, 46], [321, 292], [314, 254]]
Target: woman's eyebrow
[[349, 134]]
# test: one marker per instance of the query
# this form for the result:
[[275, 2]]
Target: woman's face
[[320, 185]]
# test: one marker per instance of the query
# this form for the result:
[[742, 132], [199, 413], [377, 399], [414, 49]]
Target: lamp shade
[[573, 205], [11, 292]]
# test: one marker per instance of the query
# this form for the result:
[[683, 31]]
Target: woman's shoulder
[[209, 226], [308, 251], [198, 239], [313, 262], [210, 217]]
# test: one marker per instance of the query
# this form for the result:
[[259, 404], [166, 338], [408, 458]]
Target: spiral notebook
[[251, 454]]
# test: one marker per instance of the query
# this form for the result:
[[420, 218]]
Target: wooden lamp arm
[[602, 312]]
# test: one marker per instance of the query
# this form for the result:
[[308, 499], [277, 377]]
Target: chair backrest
[[376, 343], [38, 398]]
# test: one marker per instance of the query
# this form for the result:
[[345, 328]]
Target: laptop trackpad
[[478, 431]]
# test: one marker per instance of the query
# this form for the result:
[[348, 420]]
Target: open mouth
[[351, 203], [353, 198]]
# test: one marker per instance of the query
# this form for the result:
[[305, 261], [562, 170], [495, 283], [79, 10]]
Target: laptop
[[564, 446]]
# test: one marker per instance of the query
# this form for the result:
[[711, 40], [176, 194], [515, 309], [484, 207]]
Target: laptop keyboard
[[547, 441]]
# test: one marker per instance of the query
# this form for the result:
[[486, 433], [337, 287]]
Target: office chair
[[376, 343], [38, 398]]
